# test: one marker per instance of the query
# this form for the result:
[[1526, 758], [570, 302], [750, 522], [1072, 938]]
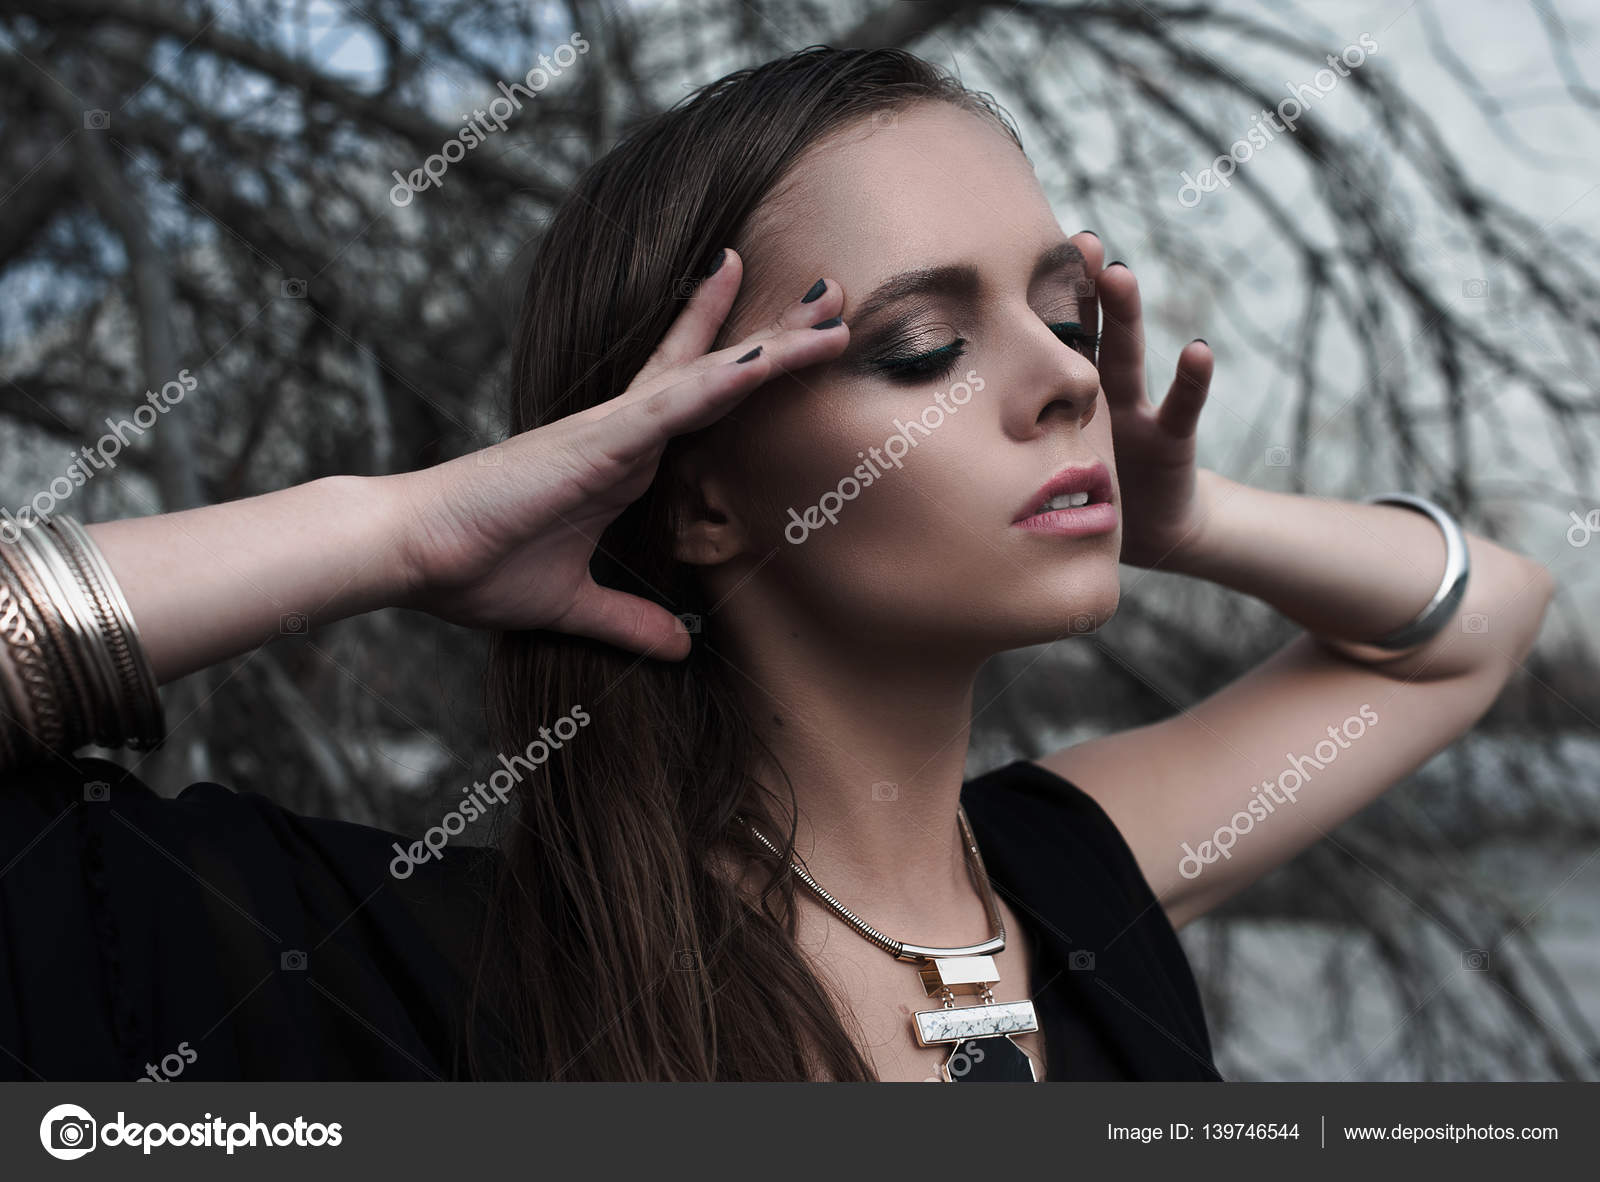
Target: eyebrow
[[956, 278]]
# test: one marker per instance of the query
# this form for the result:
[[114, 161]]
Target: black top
[[218, 935]]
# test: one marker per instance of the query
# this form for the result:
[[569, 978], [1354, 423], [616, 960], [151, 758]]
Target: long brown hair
[[612, 948]]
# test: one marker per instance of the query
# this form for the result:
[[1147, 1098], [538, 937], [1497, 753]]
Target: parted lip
[[1093, 479]]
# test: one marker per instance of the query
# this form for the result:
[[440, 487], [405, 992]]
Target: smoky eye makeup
[[910, 356], [911, 352], [1077, 336], [916, 342], [918, 367]]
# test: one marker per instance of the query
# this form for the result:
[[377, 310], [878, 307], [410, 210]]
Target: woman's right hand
[[503, 538]]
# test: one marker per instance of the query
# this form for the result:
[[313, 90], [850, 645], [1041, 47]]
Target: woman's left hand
[[1155, 445]]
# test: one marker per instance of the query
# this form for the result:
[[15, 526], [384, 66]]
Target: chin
[[1080, 608], [1088, 601]]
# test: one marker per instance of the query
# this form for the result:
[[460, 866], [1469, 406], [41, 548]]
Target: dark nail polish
[[1202, 340], [816, 291], [1115, 263], [1091, 234], [717, 262], [752, 355], [830, 322]]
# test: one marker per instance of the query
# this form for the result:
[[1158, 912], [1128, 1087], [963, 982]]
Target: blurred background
[[1383, 218]]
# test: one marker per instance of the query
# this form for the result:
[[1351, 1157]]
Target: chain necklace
[[979, 1035]]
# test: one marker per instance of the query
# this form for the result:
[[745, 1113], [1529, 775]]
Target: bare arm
[[207, 584], [1345, 571], [1274, 761], [499, 544]]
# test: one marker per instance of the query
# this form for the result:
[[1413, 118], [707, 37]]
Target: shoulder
[[1058, 858], [1041, 814], [275, 945], [212, 823]]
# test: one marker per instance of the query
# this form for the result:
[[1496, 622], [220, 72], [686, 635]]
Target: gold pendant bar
[[963, 1022]]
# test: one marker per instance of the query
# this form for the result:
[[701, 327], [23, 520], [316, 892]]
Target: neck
[[875, 748]]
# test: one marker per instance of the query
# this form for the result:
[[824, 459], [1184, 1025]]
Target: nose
[[1054, 385]]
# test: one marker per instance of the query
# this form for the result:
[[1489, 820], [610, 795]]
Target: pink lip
[[1097, 517]]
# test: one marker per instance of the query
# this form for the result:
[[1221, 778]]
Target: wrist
[[384, 574], [1200, 549]]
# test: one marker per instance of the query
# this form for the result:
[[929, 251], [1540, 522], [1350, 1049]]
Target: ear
[[708, 527]]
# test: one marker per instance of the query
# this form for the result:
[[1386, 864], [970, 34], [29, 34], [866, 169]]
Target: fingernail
[[830, 322], [752, 355], [1202, 340], [1091, 234], [1115, 263], [717, 262], [816, 291]]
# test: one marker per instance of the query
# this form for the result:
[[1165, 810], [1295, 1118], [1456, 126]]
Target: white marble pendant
[[981, 1047], [960, 1023]]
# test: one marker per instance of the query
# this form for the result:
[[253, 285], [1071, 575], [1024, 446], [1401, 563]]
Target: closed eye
[[937, 363], [1076, 336], [921, 367]]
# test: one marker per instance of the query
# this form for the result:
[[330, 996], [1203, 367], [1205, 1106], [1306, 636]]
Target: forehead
[[918, 187]]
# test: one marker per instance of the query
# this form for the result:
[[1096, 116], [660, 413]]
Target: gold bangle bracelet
[[80, 630], [59, 722], [142, 692], [27, 659]]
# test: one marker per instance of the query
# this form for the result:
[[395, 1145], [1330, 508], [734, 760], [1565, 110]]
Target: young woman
[[738, 609]]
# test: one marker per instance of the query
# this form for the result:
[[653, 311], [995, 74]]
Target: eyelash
[[936, 363]]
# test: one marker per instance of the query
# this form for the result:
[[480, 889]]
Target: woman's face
[[971, 323]]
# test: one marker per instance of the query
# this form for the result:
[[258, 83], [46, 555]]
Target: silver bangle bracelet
[[1452, 586], [145, 723], [75, 652]]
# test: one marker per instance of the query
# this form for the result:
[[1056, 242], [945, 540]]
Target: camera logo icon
[[885, 790], [1080, 960], [67, 1132], [98, 790], [293, 960]]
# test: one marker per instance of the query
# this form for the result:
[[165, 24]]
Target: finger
[[1092, 250], [1180, 409], [1121, 337], [702, 398], [626, 622], [821, 302], [697, 325]]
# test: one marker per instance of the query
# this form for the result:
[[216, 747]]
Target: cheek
[[869, 471], [874, 513], [882, 536]]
